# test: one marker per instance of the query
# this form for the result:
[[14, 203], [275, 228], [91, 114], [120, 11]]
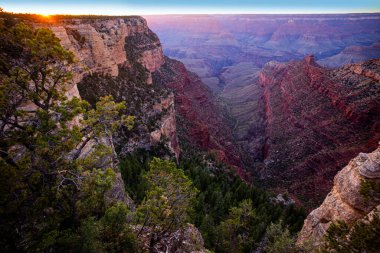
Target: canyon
[[301, 106], [287, 126], [207, 44], [118, 57], [284, 102], [312, 120]]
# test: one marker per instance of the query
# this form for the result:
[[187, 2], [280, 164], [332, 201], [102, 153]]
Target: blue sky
[[141, 7]]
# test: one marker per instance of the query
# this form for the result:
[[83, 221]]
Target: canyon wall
[[317, 119], [302, 123], [122, 57], [201, 122], [344, 202], [100, 49]]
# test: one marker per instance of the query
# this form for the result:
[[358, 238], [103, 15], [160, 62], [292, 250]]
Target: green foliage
[[43, 136], [219, 191], [279, 239], [135, 165], [235, 233], [168, 200], [370, 190], [363, 236], [116, 234]]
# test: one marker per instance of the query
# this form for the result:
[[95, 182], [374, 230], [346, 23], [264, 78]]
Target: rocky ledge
[[344, 202]]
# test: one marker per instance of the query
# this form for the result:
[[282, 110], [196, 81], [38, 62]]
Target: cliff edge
[[344, 202]]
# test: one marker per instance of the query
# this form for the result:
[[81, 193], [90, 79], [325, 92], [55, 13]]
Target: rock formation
[[317, 119], [188, 239], [305, 122], [100, 47], [121, 57], [99, 44], [344, 202]]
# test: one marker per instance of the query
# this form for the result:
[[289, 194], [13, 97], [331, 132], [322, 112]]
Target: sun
[[46, 18]]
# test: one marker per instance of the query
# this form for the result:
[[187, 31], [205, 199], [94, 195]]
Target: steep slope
[[309, 121], [200, 120], [344, 202], [242, 93], [118, 57]]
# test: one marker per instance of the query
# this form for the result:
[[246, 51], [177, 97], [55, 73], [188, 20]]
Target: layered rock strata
[[344, 202], [201, 122], [304, 122], [103, 46]]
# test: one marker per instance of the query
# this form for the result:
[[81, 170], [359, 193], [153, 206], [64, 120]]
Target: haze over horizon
[[151, 7]]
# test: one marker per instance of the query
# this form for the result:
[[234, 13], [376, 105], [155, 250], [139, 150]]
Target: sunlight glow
[[149, 7]]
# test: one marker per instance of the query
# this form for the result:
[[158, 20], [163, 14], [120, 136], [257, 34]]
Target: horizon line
[[190, 14]]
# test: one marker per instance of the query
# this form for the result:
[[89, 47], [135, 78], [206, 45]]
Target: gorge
[[266, 112]]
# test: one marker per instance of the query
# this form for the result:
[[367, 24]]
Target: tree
[[363, 236], [235, 233], [370, 190], [54, 153], [279, 239], [168, 201], [116, 234]]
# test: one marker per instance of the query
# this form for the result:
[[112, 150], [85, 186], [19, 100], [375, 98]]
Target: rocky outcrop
[[99, 44], [103, 47], [168, 126], [185, 240], [119, 56], [344, 202]]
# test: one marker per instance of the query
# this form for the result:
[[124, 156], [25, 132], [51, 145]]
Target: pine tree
[[168, 201], [50, 193]]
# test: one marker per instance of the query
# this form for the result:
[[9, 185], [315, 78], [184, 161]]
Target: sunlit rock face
[[344, 202], [99, 44], [99, 47], [111, 47], [103, 46]]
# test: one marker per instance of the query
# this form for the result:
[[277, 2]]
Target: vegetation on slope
[[53, 198], [225, 207], [363, 235]]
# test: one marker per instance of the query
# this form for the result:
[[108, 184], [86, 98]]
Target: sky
[[146, 7]]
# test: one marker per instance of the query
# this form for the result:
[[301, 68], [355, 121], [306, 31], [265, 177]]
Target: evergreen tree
[[279, 239], [168, 201], [363, 236], [51, 194], [235, 233]]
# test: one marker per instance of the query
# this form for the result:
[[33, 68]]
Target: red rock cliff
[[317, 119], [200, 118]]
